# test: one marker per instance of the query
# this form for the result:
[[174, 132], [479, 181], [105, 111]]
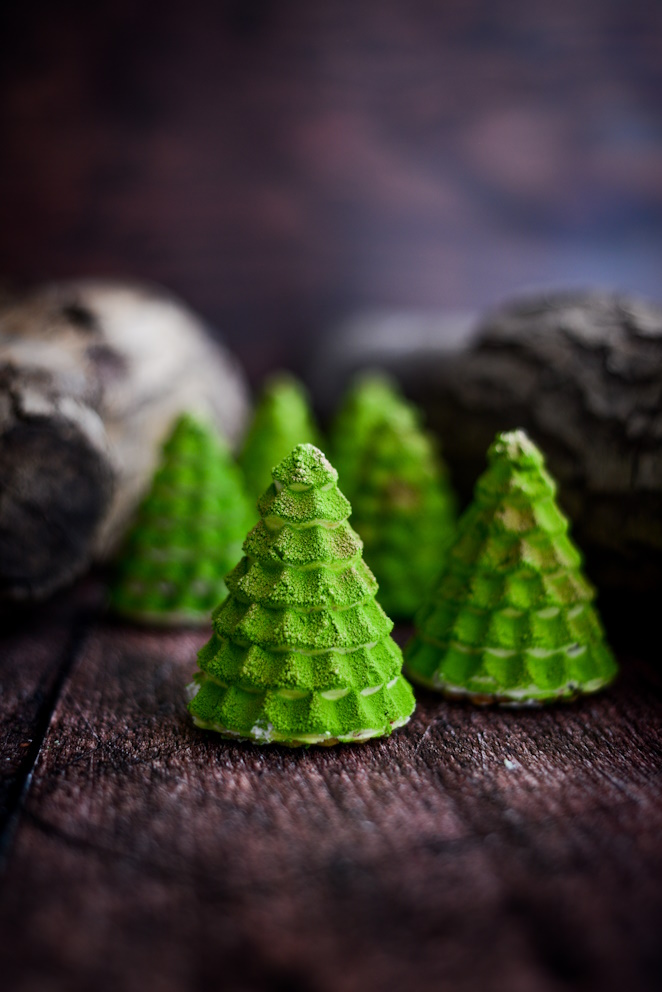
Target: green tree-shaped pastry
[[301, 652], [187, 533], [403, 506], [511, 619], [282, 419]]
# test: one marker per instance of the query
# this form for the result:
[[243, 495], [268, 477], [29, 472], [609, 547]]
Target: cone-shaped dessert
[[403, 506], [512, 618], [301, 652], [369, 401], [187, 534], [282, 419]]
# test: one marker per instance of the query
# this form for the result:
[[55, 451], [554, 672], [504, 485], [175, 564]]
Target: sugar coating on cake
[[512, 619], [187, 533], [282, 419], [403, 505], [301, 651]]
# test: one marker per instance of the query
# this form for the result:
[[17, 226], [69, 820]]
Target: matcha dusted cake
[[402, 503], [368, 401], [301, 651], [282, 419], [512, 618], [187, 534]]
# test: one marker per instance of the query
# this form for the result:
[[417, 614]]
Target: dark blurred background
[[279, 164]]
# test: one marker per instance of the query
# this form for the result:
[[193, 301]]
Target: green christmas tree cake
[[282, 419], [512, 618], [187, 534], [369, 401], [403, 506], [301, 651]]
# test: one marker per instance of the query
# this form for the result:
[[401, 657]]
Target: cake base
[[513, 699], [270, 736]]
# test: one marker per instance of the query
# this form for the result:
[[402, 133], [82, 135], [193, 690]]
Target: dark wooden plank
[[36, 646], [472, 850]]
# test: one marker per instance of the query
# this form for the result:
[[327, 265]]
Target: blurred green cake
[[512, 618], [402, 503], [282, 419], [187, 533], [301, 652]]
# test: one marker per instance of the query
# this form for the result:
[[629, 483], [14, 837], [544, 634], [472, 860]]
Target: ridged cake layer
[[523, 588], [284, 505], [303, 548], [295, 629], [277, 586], [312, 718], [252, 666], [550, 627], [533, 675], [501, 550]]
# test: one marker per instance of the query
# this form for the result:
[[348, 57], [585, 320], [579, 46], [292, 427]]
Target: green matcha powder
[[282, 418], [512, 618], [403, 506], [187, 533], [301, 651]]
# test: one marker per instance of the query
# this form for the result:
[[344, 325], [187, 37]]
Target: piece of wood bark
[[581, 371], [472, 849], [92, 375]]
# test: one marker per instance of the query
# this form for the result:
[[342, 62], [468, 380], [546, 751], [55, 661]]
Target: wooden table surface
[[474, 849]]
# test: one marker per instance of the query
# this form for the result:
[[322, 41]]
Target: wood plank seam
[[18, 791]]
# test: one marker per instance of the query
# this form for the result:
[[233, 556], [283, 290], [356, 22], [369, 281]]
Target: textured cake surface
[[301, 651], [187, 534], [512, 617], [282, 419], [403, 506]]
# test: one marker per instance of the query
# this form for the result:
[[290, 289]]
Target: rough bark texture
[[472, 850], [582, 372], [91, 377]]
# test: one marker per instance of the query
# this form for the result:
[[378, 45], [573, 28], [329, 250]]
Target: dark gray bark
[[581, 372], [91, 378]]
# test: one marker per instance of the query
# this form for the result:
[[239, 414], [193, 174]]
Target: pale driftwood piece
[[582, 372], [471, 850], [92, 375]]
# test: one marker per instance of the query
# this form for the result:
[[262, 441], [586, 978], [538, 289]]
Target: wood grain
[[472, 850], [36, 649]]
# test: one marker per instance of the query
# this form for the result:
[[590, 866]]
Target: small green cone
[[512, 619], [301, 652], [282, 419], [187, 534], [403, 505]]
